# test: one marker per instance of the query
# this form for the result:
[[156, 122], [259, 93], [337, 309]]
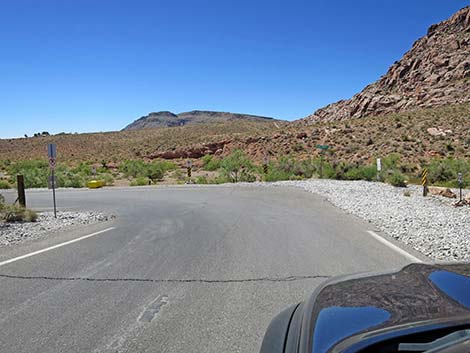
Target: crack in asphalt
[[169, 280]]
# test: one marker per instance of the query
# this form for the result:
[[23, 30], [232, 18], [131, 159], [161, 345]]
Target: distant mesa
[[169, 119]]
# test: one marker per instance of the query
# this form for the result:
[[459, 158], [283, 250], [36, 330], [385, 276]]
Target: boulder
[[440, 191]]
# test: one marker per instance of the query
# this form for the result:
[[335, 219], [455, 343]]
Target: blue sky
[[96, 65]]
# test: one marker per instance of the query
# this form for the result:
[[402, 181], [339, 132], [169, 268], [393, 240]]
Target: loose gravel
[[430, 225], [13, 233]]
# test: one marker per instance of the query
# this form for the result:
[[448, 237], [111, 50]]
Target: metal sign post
[[322, 149], [379, 168], [460, 178], [424, 181], [51, 153]]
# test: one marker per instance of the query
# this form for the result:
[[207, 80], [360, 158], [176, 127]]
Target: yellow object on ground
[[94, 184]]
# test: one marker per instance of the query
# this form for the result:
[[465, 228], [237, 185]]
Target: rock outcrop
[[435, 72]]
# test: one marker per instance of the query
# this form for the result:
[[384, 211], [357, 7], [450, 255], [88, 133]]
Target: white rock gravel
[[430, 225], [12, 233]]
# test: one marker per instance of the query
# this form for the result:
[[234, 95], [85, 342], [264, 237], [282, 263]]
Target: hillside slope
[[435, 72], [169, 119]]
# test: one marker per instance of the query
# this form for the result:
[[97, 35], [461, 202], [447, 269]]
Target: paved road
[[185, 269]]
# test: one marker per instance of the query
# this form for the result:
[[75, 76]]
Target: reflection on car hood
[[416, 294]]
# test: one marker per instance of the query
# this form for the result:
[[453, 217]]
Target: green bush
[[15, 213], [210, 163], [154, 170], [396, 179], [201, 180], [444, 172], [35, 172], [140, 181], [237, 167], [4, 184], [362, 173]]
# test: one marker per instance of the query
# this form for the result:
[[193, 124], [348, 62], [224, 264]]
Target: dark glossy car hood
[[417, 295]]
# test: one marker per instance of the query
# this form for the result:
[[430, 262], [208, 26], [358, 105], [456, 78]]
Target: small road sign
[[460, 179], [52, 163], [52, 154], [379, 164], [51, 150]]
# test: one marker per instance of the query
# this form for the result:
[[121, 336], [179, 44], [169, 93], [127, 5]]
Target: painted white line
[[393, 247], [6, 262]]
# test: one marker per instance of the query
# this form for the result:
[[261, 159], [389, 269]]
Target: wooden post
[[21, 193]]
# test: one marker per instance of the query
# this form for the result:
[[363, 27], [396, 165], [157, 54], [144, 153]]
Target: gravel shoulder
[[430, 225], [46, 225]]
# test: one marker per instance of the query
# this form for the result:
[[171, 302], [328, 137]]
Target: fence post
[[21, 193]]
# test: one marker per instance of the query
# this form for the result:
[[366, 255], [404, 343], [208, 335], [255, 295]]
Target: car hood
[[417, 295]]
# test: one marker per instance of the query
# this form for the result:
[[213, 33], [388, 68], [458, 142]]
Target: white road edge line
[[6, 262], [391, 246]]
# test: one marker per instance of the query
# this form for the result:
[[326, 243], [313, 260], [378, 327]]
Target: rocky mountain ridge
[[434, 72], [169, 119]]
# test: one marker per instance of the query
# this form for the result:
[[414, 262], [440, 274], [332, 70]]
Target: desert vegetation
[[15, 213]]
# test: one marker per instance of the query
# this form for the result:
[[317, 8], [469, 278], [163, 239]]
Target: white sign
[[189, 164], [51, 150], [379, 164], [459, 175]]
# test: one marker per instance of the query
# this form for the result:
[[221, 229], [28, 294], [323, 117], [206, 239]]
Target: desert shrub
[[341, 169], [106, 177], [444, 172], [68, 179], [210, 163], [201, 180], [133, 168], [396, 179], [237, 167], [15, 213], [35, 172], [4, 184], [154, 170], [362, 173], [140, 181], [83, 169]]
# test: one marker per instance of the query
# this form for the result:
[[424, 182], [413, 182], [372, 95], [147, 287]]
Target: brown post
[[21, 193]]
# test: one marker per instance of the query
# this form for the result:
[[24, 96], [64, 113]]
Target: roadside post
[[21, 193], [424, 181], [379, 168], [460, 179], [93, 170], [52, 154], [189, 167], [322, 149], [265, 165]]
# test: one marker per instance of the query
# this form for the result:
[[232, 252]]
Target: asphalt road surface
[[185, 269]]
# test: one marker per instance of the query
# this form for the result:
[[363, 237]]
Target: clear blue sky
[[96, 65]]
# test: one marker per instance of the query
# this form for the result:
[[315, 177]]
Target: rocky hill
[[435, 72], [169, 119]]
